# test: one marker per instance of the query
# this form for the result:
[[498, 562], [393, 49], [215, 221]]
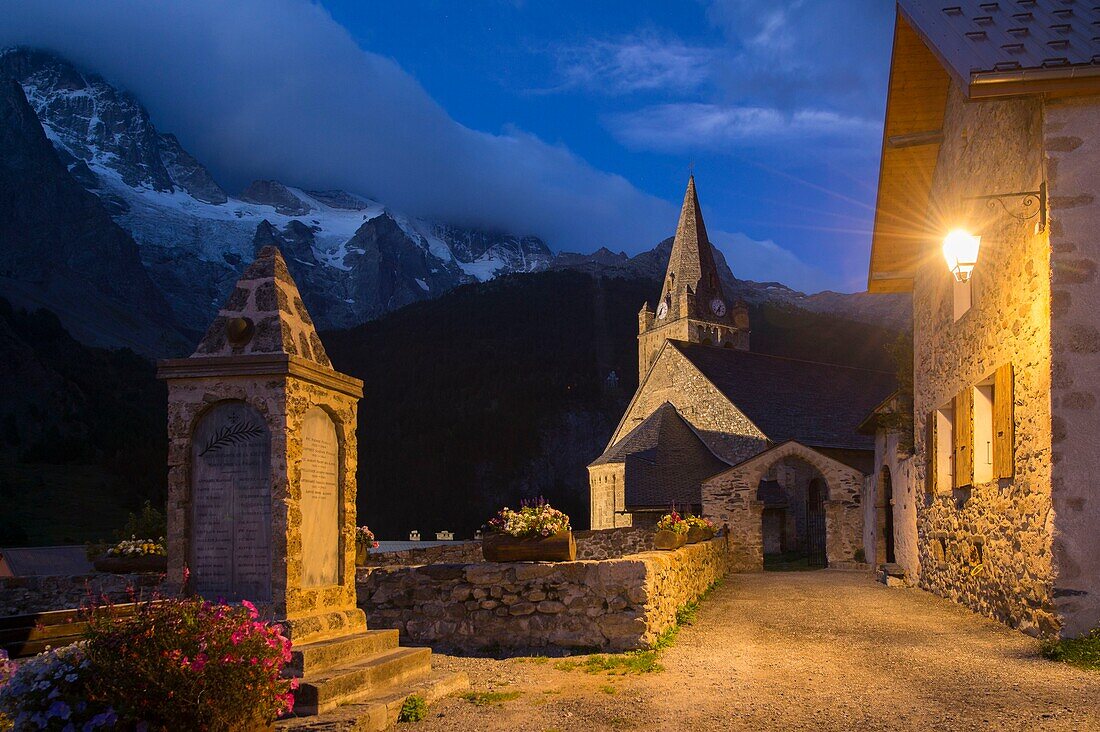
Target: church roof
[[691, 263], [995, 48], [264, 314], [817, 404], [665, 461]]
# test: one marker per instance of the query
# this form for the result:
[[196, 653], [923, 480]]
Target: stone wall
[[607, 496], [731, 498], [988, 546], [595, 544], [612, 604], [23, 595], [897, 466], [1072, 143]]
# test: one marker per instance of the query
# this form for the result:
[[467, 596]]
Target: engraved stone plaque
[[231, 505], [320, 484]]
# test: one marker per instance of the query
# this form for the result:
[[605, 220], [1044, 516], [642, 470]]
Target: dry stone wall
[[612, 604], [24, 595]]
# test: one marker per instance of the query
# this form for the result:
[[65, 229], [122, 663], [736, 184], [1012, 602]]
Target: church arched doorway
[[794, 493], [884, 540]]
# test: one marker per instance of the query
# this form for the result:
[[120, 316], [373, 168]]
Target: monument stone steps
[[321, 694], [380, 709], [310, 659]]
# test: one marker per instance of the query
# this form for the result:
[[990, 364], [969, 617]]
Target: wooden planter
[[559, 547], [667, 540], [699, 533], [131, 565]]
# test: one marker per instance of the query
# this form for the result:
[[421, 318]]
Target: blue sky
[[778, 104], [575, 121]]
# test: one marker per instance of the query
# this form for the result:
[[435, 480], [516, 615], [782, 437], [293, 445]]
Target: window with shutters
[[945, 448], [984, 398], [1004, 427]]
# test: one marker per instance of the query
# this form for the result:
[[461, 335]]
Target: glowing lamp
[[960, 249]]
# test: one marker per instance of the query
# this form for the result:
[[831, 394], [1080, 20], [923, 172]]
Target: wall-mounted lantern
[[960, 250]]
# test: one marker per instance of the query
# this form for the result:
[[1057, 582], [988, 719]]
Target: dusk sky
[[576, 121]]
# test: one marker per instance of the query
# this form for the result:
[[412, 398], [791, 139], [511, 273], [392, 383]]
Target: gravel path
[[798, 651]]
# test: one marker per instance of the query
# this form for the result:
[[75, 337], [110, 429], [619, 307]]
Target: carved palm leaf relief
[[231, 435]]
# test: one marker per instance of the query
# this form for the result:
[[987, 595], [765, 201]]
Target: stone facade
[[282, 388], [676, 380], [1071, 141], [987, 545], [731, 498], [613, 604], [607, 496], [896, 466]]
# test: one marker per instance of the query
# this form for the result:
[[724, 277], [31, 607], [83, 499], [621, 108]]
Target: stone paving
[[826, 650]]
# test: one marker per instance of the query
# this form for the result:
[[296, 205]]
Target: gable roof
[[817, 404], [267, 298], [998, 47], [665, 460]]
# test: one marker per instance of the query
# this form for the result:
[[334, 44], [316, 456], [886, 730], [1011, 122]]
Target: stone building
[[993, 127], [764, 443]]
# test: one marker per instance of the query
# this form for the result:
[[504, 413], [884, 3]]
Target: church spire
[[691, 269]]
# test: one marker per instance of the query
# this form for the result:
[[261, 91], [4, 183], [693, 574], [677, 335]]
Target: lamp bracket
[[1034, 201]]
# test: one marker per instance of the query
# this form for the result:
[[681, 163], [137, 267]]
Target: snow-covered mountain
[[355, 258]]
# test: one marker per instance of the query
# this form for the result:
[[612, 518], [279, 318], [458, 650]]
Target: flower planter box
[[131, 565], [667, 540], [559, 547], [361, 554], [697, 533]]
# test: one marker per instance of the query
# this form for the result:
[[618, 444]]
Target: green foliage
[[150, 522], [413, 709], [1083, 652], [609, 689], [615, 664], [485, 698]]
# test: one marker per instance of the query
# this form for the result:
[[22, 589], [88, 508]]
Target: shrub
[[533, 519], [49, 692], [1083, 652], [672, 522], [190, 664], [150, 522], [413, 709]]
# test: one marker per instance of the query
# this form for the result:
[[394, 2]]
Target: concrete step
[[322, 693], [311, 659], [379, 710]]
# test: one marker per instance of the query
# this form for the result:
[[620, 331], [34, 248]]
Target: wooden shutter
[[930, 453], [1004, 426], [964, 438]]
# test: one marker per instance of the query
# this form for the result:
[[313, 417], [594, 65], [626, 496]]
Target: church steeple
[[693, 307], [691, 269]]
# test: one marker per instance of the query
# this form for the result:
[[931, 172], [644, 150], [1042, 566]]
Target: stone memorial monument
[[262, 460]]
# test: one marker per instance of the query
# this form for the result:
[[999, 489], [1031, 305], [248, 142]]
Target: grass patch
[[485, 698], [533, 659], [414, 709], [609, 689], [1083, 652]]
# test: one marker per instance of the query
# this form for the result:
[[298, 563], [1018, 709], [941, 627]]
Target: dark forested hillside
[[82, 433], [499, 391]]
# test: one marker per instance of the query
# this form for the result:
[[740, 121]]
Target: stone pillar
[[843, 530], [747, 536], [262, 460]]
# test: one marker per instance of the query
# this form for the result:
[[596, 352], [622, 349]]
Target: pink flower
[[252, 612]]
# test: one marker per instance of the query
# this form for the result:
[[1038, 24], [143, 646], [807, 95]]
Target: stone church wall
[[674, 379], [989, 546], [614, 604], [907, 493], [1072, 141]]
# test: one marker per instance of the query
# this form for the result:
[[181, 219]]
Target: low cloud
[[766, 261], [278, 89], [676, 128]]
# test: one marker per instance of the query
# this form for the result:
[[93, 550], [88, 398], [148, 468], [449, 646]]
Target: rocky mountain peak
[[275, 194]]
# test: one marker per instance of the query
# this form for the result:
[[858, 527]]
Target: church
[[766, 444]]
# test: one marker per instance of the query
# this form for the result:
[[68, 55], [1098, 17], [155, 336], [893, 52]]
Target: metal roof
[[999, 47]]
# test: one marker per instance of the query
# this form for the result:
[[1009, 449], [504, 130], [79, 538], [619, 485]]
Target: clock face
[[662, 311], [718, 307]]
